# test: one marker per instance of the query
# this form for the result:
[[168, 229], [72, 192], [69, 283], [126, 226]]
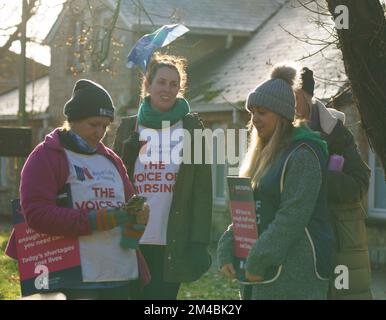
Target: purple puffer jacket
[[44, 173]]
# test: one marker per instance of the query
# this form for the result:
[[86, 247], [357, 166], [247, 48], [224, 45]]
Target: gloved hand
[[132, 232], [131, 235], [106, 219]]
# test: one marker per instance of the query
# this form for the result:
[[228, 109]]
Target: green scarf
[[152, 118], [304, 132]]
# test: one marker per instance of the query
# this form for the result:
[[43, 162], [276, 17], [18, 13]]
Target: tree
[[94, 39], [98, 37], [363, 45], [15, 35], [360, 33]]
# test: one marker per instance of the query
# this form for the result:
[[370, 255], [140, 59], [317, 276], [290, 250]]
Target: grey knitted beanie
[[276, 94]]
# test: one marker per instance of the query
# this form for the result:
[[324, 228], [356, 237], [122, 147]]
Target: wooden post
[[22, 71]]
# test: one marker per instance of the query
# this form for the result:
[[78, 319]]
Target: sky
[[37, 27]]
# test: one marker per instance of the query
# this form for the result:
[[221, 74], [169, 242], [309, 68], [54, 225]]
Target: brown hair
[[303, 104], [66, 126], [164, 60]]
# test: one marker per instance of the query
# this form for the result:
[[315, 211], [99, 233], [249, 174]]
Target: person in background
[[348, 184]]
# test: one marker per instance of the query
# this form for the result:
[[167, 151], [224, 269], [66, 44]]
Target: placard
[[45, 262]]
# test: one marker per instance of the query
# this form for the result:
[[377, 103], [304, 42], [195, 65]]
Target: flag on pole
[[143, 49]]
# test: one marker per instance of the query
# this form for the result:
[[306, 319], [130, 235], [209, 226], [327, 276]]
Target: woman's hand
[[228, 270], [142, 216], [253, 277]]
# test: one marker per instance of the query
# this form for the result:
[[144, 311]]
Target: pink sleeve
[[44, 174]]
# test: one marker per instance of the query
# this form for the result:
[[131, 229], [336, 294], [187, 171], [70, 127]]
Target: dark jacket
[[188, 233], [346, 189]]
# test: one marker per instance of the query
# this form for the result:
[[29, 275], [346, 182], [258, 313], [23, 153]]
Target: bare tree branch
[[139, 5], [309, 40], [318, 12], [31, 9], [106, 40], [314, 53]]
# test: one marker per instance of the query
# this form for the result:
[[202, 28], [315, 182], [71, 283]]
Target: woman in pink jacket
[[74, 158]]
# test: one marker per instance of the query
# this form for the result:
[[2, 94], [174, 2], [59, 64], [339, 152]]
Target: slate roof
[[9, 71], [37, 96], [211, 17], [229, 15], [37, 89], [236, 73]]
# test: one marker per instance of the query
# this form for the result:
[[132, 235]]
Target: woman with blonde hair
[[286, 163]]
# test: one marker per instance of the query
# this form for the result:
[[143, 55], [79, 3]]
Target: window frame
[[4, 183], [374, 213], [218, 201], [76, 56]]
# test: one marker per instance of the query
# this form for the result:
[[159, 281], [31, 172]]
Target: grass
[[9, 275], [211, 286]]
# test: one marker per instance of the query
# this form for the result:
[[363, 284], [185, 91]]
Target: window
[[3, 172], [232, 165], [219, 180], [218, 172], [377, 190], [76, 58], [101, 59]]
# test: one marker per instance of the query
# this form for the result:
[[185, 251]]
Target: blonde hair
[[65, 126], [165, 60], [303, 104], [261, 155]]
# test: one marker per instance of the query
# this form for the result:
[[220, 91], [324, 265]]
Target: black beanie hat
[[308, 82], [89, 99]]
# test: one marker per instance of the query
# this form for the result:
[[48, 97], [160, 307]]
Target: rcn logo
[[83, 173]]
